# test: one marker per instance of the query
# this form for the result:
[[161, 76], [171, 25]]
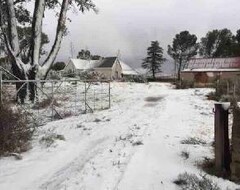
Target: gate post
[[109, 95], [222, 149], [85, 96], [235, 165], [1, 92]]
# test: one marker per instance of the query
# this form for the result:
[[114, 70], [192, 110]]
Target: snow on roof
[[127, 70], [213, 64], [211, 70], [81, 64]]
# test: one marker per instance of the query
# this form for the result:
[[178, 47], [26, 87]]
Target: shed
[[202, 70]]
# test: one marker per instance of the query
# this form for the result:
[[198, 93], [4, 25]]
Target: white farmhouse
[[77, 66], [109, 67]]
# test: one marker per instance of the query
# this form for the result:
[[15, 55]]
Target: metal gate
[[56, 99]]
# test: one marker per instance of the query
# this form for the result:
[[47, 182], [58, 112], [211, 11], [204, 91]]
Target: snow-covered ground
[[135, 145]]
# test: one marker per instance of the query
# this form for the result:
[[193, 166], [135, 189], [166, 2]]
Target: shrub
[[62, 114], [184, 84], [193, 141], [58, 66], [49, 139], [213, 96], [208, 166], [137, 143], [15, 133], [188, 181], [221, 89], [135, 78], [225, 90], [185, 154], [71, 75], [45, 103], [54, 76]]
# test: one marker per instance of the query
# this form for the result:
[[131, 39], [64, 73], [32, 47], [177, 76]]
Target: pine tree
[[184, 47], [154, 59]]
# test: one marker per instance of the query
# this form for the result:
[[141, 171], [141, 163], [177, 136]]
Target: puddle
[[153, 99]]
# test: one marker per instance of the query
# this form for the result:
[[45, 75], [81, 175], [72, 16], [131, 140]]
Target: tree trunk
[[12, 22], [21, 87], [32, 85], [34, 51], [179, 69], [153, 73], [30, 70]]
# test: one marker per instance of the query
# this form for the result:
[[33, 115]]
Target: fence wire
[[58, 99]]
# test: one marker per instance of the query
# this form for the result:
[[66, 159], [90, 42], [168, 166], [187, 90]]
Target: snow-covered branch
[[37, 31], [12, 21], [58, 39]]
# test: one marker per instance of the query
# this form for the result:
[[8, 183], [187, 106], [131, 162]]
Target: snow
[[134, 145], [127, 70], [212, 70], [81, 64]]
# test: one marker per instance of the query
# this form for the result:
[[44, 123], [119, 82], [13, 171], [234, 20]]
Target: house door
[[201, 77]]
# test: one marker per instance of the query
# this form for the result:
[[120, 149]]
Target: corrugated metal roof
[[108, 62], [213, 63], [211, 70]]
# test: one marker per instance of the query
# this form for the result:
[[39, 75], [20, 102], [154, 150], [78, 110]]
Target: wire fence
[[57, 99], [228, 88]]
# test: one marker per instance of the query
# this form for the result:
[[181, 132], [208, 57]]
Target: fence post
[[85, 96], [222, 149], [109, 94], [1, 92], [235, 165], [52, 99]]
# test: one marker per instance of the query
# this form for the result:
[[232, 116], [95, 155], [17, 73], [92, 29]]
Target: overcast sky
[[130, 25]]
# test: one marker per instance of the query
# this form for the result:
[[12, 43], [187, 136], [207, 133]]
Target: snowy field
[[135, 145]]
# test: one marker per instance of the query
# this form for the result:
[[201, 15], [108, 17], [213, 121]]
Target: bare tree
[[32, 69]]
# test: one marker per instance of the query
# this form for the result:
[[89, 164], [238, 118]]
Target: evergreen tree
[[86, 55], [184, 47], [154, 59], [219, 43], [58, 66]]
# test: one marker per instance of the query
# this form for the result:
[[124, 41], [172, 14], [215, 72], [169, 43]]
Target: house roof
[[81, 64], [213, 64], [127, 70], [107, 62]]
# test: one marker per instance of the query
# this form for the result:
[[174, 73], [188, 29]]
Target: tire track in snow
[[62, 175], [161, 106]]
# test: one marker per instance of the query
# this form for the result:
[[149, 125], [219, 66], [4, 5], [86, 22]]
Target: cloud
[[130, 25]]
